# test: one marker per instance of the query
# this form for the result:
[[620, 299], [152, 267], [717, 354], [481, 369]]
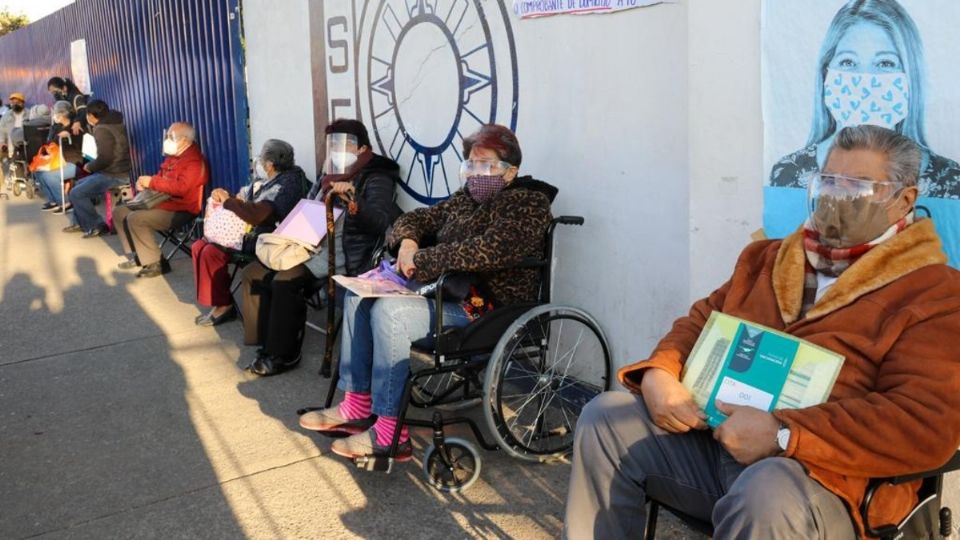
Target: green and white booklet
[[743, 363]]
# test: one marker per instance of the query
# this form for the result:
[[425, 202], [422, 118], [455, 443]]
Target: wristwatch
[[783, 437]]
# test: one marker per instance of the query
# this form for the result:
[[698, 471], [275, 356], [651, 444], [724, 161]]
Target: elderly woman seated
[[274, 305], [486, 228], [262, 205]]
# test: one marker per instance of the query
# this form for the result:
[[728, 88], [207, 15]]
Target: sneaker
[[365, 444], [156, 269], [63, 210], [330, 420], [72, 229], [99, 230], [49, 206]]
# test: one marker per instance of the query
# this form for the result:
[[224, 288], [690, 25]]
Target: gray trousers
[[137, 228], [619, 456]]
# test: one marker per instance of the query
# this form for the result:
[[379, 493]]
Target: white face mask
[[259, 171], [170, 147], [876, 99], [342, 160]]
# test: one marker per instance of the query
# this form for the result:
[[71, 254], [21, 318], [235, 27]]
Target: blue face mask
[[876, 99]]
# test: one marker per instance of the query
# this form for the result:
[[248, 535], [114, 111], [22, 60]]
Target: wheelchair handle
[[569, 220]]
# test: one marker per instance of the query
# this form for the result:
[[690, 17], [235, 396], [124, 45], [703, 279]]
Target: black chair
[[533, 366], [928, 519]]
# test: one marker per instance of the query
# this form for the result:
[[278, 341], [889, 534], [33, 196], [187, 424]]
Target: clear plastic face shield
[[342, 150], [849, 211], [482, 167]]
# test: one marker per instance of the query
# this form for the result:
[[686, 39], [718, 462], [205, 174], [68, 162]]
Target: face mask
[[482, 188], [342, 160], [17, 108], [876, 99], [59, 96], [170, 147], [844, 222], [259, 171]]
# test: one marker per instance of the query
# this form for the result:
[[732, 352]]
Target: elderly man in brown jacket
[[863, 278]]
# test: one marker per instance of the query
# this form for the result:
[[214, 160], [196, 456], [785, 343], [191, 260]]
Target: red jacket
[[183, 177]]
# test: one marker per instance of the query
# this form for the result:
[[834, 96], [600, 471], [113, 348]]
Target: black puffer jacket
[[374, 189], [113, 148]]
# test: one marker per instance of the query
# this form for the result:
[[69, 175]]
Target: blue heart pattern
[[859, 98]]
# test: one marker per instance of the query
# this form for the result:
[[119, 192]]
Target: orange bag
[[47, 159]]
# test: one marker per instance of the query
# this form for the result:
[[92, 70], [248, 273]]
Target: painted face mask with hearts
[[876, 99]]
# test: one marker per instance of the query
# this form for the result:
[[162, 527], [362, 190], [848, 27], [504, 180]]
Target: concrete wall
[[279, 85], [726, 137], [647, 120]]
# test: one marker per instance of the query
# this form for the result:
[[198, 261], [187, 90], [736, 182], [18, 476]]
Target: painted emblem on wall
[[425, 74]]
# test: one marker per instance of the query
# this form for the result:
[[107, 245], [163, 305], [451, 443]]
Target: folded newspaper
[[743, 363]]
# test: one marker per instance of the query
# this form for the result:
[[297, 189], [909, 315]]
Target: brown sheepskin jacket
[[895, 316], [487, 239]]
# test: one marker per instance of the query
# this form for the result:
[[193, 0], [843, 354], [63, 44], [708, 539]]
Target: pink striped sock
[[384, 428], [355, 405]]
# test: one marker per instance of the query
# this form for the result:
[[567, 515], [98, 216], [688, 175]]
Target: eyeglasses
[[840, 186], [483, 167]]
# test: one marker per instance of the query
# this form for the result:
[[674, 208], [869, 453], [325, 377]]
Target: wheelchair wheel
[[17, 189], [549, 363], [456, 473], [30, 192]]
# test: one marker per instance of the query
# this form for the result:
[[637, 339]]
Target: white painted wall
[[279, 85], [647, 120], [726, 137]]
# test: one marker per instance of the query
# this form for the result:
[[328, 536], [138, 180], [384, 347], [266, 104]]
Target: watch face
[[429, 73], [783, 438]]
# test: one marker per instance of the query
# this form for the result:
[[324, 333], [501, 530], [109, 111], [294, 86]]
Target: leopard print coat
[[486, 239]]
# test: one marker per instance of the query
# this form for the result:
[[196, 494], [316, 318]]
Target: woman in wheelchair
[[485, 229]]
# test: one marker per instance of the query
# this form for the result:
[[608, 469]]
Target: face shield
[[171, 142], [482, 167], [848, 211], [342, 150]]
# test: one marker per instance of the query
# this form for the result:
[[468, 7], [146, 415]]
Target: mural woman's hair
[[894, 20]]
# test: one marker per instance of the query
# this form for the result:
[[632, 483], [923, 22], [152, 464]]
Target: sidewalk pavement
[[119, 418]]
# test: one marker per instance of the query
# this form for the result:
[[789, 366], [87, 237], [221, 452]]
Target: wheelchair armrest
[[884, 530]]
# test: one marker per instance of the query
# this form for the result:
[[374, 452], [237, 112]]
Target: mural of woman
[[870, 71]]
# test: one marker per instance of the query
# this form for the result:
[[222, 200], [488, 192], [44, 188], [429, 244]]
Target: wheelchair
[[532, 367], [26, 144], [927, 520]]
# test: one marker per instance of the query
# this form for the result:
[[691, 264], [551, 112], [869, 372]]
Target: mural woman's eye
[[847, 63], [888, 64]]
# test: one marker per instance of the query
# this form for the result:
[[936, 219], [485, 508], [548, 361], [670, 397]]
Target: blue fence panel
[[156, 61]]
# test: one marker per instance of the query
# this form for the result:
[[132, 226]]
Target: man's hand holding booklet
[[741, 363]]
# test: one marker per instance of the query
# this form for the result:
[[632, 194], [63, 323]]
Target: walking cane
[[63, 189], [331, 288]]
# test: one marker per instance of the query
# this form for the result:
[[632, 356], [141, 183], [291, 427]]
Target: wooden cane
[[331, 288]]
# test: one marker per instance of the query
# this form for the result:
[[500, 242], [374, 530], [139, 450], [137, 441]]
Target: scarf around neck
[[831, 261]]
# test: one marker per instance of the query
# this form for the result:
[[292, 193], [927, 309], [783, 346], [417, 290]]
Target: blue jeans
[[92, 186], [50, 181], [375, 344]]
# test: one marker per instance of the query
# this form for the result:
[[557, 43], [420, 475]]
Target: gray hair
[[278, 152], [903, 155], [184, 130], [62, 108]]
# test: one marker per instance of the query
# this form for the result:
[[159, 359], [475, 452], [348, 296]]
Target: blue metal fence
[[156, 61]]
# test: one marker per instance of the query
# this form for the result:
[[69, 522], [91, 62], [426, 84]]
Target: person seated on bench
[[183, 175], [71, 145], [274, 306], [863, 277], [485, 228], [263, 204], [109, 170]]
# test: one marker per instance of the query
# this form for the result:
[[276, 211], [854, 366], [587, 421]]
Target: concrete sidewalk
[[121, 418]]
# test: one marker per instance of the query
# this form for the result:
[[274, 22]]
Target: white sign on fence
[[79, 66]]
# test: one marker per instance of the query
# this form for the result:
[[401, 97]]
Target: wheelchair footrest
[[374, 463]]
